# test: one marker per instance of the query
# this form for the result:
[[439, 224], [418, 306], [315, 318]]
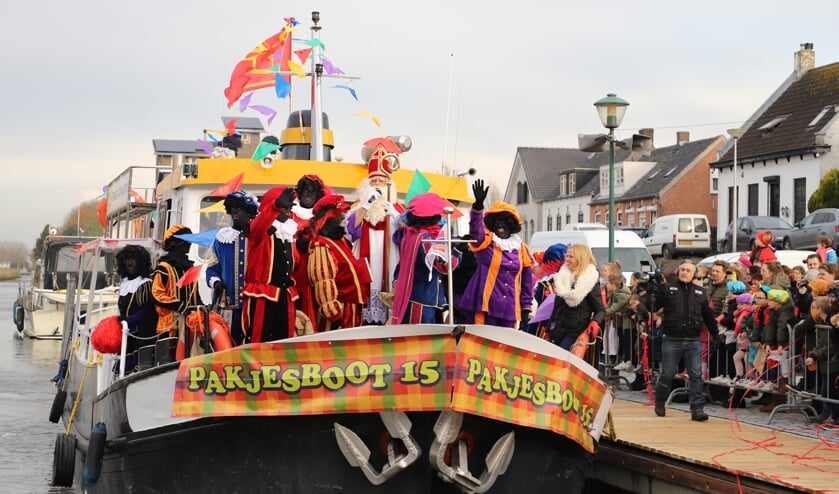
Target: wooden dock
[[720, 455]]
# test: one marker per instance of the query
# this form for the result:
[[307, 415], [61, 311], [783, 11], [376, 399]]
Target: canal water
[[27, 437]]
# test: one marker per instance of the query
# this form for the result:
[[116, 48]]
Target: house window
[[572, 183], [652, 216], [820, 116], [532, 229], [799, 199], [580, 217], [642, 218], [563, 185], [769, 127], [597, 216], [567, 219], [522, 193], [619, 175], [558, 222], [550, 225], [604, 179], [753, 198], [620, 219], [608, 218]]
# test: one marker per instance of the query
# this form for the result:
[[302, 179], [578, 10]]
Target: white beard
[[377, 212]]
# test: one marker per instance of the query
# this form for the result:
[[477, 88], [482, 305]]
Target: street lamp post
[[735, 134], [611, 110]]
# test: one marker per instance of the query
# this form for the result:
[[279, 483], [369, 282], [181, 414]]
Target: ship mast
[[317, 72]]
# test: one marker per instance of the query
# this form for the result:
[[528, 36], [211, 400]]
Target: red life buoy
[[219, 332]]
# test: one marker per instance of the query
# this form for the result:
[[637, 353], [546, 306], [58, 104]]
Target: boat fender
[[57, 405], [64, 460], [17, 316], [95, 452], [218, 329]]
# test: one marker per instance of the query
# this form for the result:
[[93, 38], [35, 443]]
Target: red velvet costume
[[341, 283], [269, 292]]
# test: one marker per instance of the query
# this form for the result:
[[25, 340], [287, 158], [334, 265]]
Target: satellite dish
[[53, 231]]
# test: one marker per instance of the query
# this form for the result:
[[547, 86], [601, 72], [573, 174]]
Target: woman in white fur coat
[[578, 300]]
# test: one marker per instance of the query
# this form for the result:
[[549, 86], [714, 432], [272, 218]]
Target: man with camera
[[684, 307]]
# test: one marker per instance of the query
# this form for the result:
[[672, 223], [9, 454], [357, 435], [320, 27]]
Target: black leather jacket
[[571, 321], [685, 309]]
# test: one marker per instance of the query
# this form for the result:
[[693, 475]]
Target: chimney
[[682, 137], [649, 133], [805, 59]]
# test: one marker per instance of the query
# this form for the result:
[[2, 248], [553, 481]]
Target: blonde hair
[[584, 257]]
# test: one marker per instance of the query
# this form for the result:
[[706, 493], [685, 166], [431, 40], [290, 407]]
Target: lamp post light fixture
[[611, 110], [735, 134]]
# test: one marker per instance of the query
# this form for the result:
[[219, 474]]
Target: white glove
[[391, 211], [371, 198]]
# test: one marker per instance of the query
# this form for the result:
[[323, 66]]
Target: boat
[[38, 311], [437, 408]]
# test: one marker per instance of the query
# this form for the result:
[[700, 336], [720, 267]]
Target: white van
[[629, 248], [678, 234]]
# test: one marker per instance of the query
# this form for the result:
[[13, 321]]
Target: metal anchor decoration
[[398, 425], [446, 431]]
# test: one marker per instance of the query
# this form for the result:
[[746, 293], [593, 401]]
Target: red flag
[[190, 276], [257, 69], [303, 54], [231, 127], [456, 213], [230, 186]]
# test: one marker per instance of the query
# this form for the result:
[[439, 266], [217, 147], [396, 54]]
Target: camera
[[649, 275]]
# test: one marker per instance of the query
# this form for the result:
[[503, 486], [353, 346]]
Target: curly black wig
[[233, 202], [133, 251], [420, 221], [502, 218]]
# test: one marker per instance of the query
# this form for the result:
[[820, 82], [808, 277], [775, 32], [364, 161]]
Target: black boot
[[698, 415]]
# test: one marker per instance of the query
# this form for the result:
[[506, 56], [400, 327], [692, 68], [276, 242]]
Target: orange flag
[[231, 186], [190, 276]]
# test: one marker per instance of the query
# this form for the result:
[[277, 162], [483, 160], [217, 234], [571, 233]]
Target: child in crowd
[[825, 249], [617, 298], [703, 274], [827, 346], [742, 366], [776, 342]]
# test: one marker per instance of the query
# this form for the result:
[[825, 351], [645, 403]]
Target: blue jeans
[[672, 351]]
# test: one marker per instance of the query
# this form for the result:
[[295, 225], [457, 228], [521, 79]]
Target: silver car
[[819, 222]]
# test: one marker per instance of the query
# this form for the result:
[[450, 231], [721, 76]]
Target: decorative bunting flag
[[419, 185], [268, 112], [348, 88], [252, 72], [329, 67], [205, 146], [315, 43], [297, 69], [232, 185], [281, 86], [369, 115], [264, 149], [231, 126], [303, 54], [190, 275], [202, 238], [217, 207], [245, 101]]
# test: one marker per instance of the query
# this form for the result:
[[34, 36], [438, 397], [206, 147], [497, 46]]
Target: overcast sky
[[88, 84]]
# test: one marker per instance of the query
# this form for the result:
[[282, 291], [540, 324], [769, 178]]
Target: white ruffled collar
[[301, 212], [286, 230], [513, 242], [227, 235], [574, 289], [127, 286]]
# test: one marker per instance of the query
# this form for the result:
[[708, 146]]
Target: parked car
[[749, 226], [676, 234], [789, 258], [819, 222], [577, 227], [641, 231]]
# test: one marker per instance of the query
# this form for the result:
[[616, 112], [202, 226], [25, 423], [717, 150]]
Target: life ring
[[95, 453], [580, 346], [219, 332], [102, 208], [58, 405], [64, 460]]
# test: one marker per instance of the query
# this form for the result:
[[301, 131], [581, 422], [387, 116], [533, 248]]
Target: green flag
[[419, 185]]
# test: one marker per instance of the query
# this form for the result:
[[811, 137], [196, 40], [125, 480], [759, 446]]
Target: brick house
[[675, 180]]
